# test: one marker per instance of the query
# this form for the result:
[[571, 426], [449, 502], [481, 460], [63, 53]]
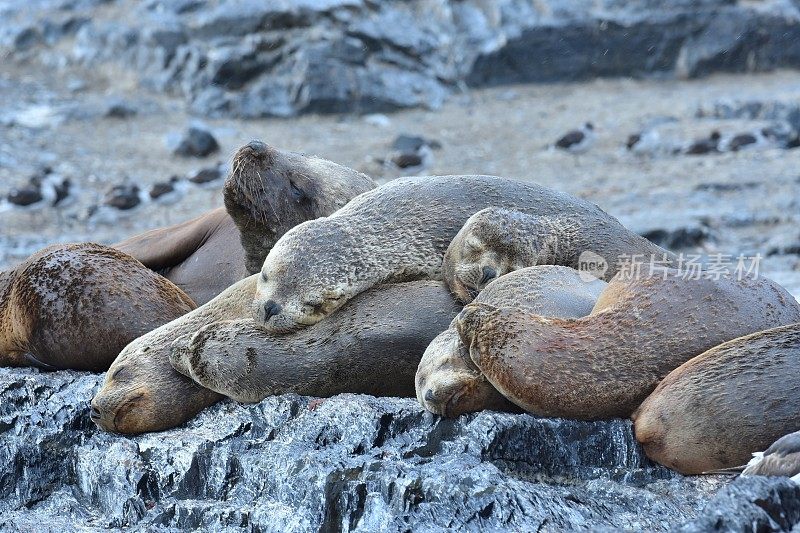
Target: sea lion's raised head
[[269, 191]]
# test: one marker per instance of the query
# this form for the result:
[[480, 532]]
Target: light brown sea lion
[[269, 191], [448, 382], [202, 256], [605, 364], [714, 410], [372, 345], [142, 392], [495, 241], [77, 305], [397, 232]]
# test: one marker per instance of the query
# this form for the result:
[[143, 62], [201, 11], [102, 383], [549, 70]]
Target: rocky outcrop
[[349, 463], [248, 58]]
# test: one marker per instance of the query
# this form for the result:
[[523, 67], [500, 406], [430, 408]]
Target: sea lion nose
[[271, 308], [430, 396], [488, 275], [258, 147], [95, 414]]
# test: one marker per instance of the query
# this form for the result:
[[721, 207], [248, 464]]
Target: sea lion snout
[[258, 147], [271, 308]]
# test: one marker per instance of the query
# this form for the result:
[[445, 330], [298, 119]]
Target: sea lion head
[[269, 191], [142, 393], [483, 250], [297, 287], [449, 384]]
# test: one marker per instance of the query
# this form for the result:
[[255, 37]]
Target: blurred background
[[679, 117]]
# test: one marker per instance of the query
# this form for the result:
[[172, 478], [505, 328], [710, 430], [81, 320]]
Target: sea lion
[[448, 382], [64, 307], [372, 345], [202, 256], [605, 364], [269, 191], [714, 410], [397, 232], [142, 392], [495, 241]]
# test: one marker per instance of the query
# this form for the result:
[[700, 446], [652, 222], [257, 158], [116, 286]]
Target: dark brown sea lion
[[604, 365], [397, 232], [202, 256], [496, 241], [448, 382], [269, 191], [711, 412], [77, 305], [142, 392], [372, 345]]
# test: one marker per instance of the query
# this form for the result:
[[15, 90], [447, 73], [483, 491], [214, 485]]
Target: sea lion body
[[269, 191], [448, 382], [202, 256], [76, 306], [372, 345], [714, 410], [605, 364], [142, 392], [496, 241], [397, 232]]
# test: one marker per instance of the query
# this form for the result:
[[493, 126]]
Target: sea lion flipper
[[163, 248], [33, 361]]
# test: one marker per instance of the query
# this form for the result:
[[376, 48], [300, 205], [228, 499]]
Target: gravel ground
[[745, 202]]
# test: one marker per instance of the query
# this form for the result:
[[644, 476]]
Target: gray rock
[[195, 142], [248, 58]]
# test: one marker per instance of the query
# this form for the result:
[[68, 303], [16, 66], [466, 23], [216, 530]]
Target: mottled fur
[[717, 408], [77, 305], [397, 232], [499, 241], [269, 191], [605, 364], [448, 382], [372, 345], [142, 392]]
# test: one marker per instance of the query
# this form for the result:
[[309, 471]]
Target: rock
[[123, 197], [678, 238], [196, 142], [353, 462], [407, 160], [247, 58], [206, 175], [750, 504], [120, 109], [413, 143]]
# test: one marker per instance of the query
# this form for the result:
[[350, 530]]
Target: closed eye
[[298, 193]]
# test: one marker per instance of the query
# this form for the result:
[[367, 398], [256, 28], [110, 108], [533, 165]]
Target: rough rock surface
[[351, 463], [249, 58]]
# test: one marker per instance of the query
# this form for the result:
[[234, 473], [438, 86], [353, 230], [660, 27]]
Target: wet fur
[[715, 410], [76, 306], [372, 345], [604, 365]]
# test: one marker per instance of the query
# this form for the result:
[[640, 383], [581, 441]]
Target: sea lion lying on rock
[[202, 256], [372, 345], [269, 191], [605, 364], [448, 382], [495, 241], [714, 410], [142, 392], [397, 232], [77, 305]]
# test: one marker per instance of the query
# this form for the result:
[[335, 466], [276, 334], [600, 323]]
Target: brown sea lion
[[202, 256], [142, 392], [605, 364], [448, 382], [372, 345], [397, 232], [495, 241], [77, 305], [714, 410], [269, 191]]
